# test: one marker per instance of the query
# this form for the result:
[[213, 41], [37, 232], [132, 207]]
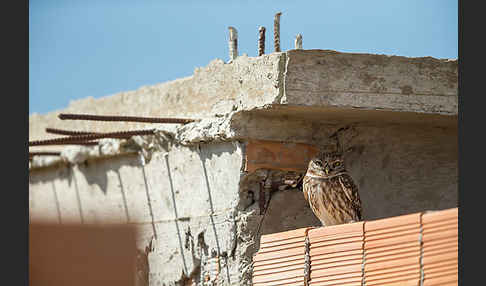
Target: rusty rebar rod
[[276, 31], [68, 132], [46, 153], [80, 138], [79, 133], [66, 116], [261, 41], [56, 141]]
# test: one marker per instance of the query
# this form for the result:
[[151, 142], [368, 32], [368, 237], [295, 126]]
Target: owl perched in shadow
[[330, 190]]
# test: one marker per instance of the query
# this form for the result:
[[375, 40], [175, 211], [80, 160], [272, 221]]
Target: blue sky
[[100, 47]]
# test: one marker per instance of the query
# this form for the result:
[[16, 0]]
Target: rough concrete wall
[[399, 169], [405, 169], [202, 220], [184, 205], [198, 219]]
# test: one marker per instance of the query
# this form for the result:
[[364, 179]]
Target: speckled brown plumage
[[330, 190]]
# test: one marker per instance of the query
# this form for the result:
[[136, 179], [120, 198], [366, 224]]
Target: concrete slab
[[330, 78], [301, 78]]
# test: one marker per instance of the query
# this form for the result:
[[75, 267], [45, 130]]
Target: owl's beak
[[326, 169]]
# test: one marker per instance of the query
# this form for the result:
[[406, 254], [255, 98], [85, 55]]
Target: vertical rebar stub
[[233, 43], [307, 262], [261, 41], [298, 42], [276, 31]]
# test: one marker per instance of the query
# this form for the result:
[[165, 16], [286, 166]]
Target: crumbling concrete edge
[[282, 68], [145, 146], [220, 128]]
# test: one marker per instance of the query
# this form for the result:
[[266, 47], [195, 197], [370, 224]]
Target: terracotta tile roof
[[336, 254], [440, 247], [281, 259], [403, 250], [392, 243]]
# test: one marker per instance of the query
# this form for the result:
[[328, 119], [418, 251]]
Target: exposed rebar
[[276, 31], [56, 141], [65, 116], [233, 43], [307, 262], [80, 138], [298, 42], [261, 41], [68, 132], [77, 133], [262, 198]]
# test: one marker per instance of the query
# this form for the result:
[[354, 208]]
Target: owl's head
[[326, 164]]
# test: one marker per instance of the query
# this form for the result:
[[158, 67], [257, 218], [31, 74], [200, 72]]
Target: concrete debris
[[207, 130]]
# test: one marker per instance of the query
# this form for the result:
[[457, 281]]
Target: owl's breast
[[331, 200], [320, 184]]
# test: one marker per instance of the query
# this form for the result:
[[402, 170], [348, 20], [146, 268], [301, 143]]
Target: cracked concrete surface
[[198, 213], [296, 78]]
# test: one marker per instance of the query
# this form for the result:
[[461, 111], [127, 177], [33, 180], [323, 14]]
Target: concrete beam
[[302, 80], [381, 82]]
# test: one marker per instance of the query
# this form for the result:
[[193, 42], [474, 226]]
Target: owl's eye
[[318, 163], [337, 164]]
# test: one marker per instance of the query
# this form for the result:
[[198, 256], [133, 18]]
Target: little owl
[[330, 190]]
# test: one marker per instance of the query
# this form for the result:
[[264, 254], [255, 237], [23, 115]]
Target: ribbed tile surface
[[440, 247], [392, 251], [281, 259], [336, 254], [395, 250]]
